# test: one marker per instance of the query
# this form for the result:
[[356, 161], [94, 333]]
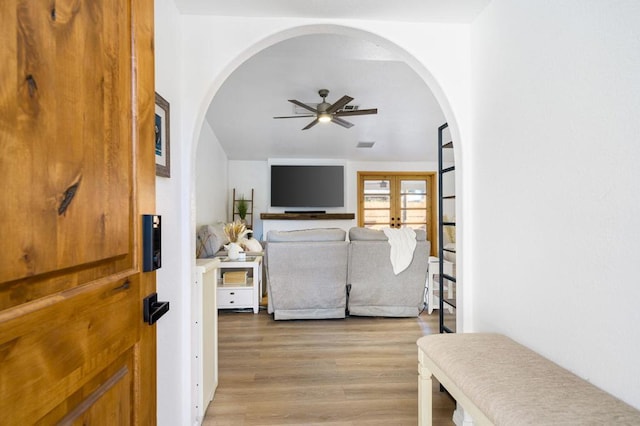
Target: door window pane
[[377, 217], [413, 201], [414, 216], [377, 194], [377, 201], [413, 186]]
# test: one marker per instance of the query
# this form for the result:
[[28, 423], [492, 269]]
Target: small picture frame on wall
[[162, 121]]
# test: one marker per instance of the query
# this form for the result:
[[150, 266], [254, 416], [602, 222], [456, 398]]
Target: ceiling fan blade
[[341, 122], [310, 125], [305, 106], [296, 116], [356, 112], [339, 104]]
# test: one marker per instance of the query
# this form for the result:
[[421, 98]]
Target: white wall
[[212, 179], [555, 214], [244, 175], [173, 279], [247, 175], [551, 166]]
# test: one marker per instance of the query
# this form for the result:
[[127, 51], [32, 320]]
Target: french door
[[397, 200]]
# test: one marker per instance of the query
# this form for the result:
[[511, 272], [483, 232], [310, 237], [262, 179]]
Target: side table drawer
[[235, 297]]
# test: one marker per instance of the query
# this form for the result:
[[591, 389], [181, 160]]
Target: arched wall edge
[[418, 67], [303, 30]]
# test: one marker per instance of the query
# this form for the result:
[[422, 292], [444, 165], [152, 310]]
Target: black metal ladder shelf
[[449, 303]]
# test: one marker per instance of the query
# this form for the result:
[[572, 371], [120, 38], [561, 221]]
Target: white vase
[[233, 250]]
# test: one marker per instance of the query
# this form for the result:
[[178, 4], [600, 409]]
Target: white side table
[[237, 296], [433, 301]]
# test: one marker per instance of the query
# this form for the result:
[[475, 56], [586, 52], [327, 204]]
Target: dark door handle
[[152, 309]]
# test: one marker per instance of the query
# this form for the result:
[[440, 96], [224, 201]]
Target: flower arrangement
[[236, 231]]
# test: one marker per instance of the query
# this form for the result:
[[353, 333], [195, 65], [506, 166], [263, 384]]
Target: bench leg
[[425, 401]]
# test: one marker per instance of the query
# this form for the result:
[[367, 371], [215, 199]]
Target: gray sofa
[[309, 271]]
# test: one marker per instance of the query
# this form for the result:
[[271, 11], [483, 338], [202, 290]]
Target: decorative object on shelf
[[162, 121], [233, 250], [251, 244], [242, 206], [236, 232], [234, 277]]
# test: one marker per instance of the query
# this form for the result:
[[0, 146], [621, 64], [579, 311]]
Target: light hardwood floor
[[356, 371]]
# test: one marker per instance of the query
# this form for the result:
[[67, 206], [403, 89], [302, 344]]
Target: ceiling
[[405, 128], [379, 10]]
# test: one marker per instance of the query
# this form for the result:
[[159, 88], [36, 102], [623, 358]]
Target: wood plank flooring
[[356, 371]]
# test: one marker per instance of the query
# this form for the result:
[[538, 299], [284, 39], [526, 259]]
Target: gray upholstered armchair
[[375, 289], [307, 273]]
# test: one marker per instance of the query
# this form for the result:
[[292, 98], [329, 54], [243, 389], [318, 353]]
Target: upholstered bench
[[500, 382]]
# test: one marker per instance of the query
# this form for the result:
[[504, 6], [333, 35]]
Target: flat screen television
[[307, 186]]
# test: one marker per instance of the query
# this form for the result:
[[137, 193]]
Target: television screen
[[307, 186]]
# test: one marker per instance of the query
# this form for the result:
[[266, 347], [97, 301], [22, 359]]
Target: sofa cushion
[[308, 235], [367, 234]]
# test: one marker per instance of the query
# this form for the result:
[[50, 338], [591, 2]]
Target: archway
[[418, 67]]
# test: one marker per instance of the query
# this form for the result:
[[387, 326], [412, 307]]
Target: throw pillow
[[205, 243], [218, 230]]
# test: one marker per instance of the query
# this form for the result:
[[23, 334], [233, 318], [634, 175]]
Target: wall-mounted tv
[[307, 186]]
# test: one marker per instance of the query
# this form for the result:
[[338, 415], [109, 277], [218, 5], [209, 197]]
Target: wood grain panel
[[64, 342], [104, 399], [68, 141]]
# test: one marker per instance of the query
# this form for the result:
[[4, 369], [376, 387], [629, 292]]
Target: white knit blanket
[[403, 244]]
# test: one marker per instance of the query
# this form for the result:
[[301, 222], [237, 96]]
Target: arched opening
[[204, 126]]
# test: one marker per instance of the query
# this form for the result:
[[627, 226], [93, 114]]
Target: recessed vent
[[365, 144]]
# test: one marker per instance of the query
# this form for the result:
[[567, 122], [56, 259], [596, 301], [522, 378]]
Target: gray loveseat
[[309, 272]]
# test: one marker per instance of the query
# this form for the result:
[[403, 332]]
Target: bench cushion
[[513, 385]]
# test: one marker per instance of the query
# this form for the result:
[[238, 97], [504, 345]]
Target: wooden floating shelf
[[307, 216]]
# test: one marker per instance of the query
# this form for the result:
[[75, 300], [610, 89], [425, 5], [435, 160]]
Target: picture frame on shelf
[[162, 123]]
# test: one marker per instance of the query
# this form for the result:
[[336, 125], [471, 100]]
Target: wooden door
[[77, 171], [396, 200]]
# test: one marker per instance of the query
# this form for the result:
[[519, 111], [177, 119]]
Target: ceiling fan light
[[323, 117]]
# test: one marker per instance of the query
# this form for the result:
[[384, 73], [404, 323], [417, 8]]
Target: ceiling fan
[[326, 112]]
